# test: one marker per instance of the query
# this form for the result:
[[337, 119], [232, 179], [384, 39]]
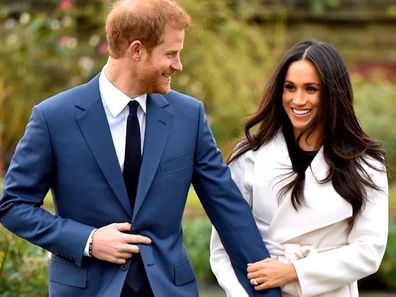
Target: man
[[119, 154]]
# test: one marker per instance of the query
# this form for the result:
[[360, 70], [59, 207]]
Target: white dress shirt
[[115, 104]]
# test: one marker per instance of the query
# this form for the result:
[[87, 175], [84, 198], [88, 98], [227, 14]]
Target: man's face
[[161, 62]]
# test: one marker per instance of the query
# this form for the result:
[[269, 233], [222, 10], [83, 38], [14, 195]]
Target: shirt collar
[[114, 99]]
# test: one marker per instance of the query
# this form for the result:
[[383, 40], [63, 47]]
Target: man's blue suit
[[67, 147]]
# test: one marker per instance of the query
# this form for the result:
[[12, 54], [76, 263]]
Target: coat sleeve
[[219, 259], [324, 272], [26, 183], [226, 208]]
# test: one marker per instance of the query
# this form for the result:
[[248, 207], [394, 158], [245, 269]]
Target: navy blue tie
[[133, 157], [136, 278]]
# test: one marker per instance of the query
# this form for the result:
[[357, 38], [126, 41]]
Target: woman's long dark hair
[[346, 146]]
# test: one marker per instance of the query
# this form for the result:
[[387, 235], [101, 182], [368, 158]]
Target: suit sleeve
[[324, 272], [226, 208], [26, 183]]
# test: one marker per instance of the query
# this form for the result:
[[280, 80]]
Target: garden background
[[49, 45]]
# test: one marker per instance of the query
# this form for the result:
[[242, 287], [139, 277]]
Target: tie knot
[[133, 105]]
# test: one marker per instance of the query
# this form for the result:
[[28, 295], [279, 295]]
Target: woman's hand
[[270, 273]]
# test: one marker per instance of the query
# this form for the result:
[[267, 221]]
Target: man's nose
[[177, 65]]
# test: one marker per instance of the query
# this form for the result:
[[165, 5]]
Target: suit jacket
[[329, 254], [67, 147]]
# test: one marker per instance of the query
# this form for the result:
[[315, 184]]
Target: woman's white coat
[[328, 253]]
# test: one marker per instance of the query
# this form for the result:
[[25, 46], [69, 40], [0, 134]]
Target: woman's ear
[[136, 50]]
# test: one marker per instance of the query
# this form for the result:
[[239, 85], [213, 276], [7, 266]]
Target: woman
[[316, 182]]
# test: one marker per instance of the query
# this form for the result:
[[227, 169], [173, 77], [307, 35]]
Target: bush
[[388, 266], [196, 239], [23, 267], [376, 109]]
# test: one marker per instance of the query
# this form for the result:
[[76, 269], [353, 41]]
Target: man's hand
[[270, 273], [110, 243]]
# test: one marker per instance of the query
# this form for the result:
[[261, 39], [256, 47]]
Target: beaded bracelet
[[91, 244], [90, 247]]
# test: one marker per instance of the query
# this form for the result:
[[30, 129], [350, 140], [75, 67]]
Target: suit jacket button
[[124, 267]]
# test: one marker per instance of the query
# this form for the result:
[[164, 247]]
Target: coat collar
[[324, 206]]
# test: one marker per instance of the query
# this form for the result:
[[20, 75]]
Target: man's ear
[[136, 50]]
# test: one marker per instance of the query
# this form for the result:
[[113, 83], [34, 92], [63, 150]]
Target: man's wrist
[[89, 244]]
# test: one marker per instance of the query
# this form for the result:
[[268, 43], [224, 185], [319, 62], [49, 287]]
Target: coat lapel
[[91, 119], [323, 205], [158, 123]]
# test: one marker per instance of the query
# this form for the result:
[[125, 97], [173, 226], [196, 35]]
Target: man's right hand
[[111, 243]]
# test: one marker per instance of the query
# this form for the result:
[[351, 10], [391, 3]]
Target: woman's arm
[[360, 257], [219, 259], [320, 272], [222, 268]]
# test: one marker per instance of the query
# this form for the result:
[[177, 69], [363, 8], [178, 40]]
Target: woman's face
[[301, 98]]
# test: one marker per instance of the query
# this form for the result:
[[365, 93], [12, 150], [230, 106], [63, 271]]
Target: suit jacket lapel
[[92, 121], [158, 123]]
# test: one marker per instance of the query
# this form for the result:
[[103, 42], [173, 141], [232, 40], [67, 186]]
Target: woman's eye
[[312, 89], [289, 87]]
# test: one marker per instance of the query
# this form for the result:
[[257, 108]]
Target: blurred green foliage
[[42, 52], [376, 110], [23, 267], [50, 45], [227, 73], [392, 202], [56, 46], [50, 49], [388, 265], [196, 235], [227, 59]]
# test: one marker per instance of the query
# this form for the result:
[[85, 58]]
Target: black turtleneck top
[[300, 159]]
